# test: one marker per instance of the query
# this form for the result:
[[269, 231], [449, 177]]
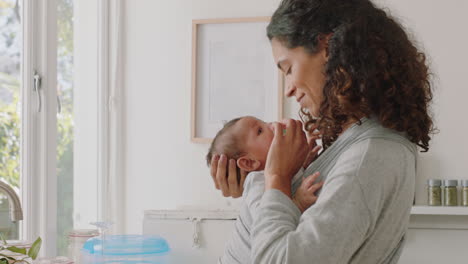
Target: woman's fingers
[[221, 175], [313, 128], [311, 139], [313, 147], [242, 180], [316, 134], [229, 183], [315, 150], [291, 128], [233, 183], [299, 125], [214, 168], [278, 131], [313, 133], [286, 155]]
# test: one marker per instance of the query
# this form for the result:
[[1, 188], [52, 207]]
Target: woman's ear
[[247, 164]]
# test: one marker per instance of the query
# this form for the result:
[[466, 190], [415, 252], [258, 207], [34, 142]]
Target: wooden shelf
[[439, 210]]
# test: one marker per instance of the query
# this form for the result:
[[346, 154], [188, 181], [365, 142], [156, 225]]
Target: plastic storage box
[[125, 249]]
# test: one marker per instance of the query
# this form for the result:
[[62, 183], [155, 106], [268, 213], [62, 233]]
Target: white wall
[[165, 170], [440, 28]]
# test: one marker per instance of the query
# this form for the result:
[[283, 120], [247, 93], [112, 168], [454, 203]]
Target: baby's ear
[[247, 164]]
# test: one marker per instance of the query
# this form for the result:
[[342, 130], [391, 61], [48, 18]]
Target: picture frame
[[233, 74]]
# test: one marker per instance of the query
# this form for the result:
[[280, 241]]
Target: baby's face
[[256, 136]]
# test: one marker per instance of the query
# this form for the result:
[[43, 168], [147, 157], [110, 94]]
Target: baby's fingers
[[315, 187], [310, 180]]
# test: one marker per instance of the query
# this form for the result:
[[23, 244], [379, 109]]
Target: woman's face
[[304, 73]]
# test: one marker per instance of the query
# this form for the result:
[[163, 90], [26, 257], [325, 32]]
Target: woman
[[361, 81]]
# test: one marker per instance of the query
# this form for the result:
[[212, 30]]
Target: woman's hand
[[225, 178], [312, 138], [287, 154]]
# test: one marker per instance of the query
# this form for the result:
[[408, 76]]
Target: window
[[10, 110], [37, 127], [55, 147]]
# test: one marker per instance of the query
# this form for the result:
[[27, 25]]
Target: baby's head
[[246, 139]]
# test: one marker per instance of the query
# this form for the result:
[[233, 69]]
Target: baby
[[248, 139]]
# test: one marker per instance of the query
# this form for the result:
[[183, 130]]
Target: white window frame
[[103, 32], [111, 110], [39, 129]]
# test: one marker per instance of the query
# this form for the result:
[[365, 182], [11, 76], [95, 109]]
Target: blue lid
[[126, 245]]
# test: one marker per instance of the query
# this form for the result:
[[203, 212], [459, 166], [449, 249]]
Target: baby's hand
[[305, 194], [314, 149]]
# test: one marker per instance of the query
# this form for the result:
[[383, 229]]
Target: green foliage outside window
[[10, 48], [9, 133]]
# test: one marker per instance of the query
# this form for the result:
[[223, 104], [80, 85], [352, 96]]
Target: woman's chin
[[313, 111]]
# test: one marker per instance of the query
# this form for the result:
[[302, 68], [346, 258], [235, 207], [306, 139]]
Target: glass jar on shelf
[[450, 193], [434, 192], [464, 184]]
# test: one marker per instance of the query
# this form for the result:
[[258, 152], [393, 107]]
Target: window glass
[[65, 123], [10, 107]]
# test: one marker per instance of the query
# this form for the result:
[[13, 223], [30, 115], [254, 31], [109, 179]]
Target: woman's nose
[[290, 90]]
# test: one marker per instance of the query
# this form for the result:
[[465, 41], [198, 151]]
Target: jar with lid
[[76, 240], [450, 192], [434, 192], [464, 184]]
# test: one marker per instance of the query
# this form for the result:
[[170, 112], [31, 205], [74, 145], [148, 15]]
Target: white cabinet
[[194, 236], [437, 234]]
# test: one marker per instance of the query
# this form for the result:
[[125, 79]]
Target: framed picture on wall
[[233, 74]]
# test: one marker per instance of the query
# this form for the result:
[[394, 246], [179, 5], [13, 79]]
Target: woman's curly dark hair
[[373, 67]]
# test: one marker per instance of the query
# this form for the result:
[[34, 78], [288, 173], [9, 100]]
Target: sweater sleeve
[[328, 232], [255, 187]]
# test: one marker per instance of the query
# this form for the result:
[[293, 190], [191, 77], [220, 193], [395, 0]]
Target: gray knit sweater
[[362, 212], [238, 247]]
